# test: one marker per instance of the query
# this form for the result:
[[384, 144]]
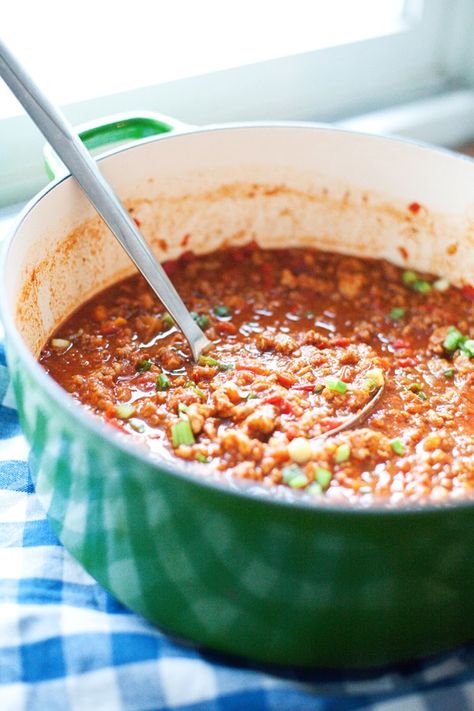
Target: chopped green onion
[[421, 286], [322, 477], [343, 452], [397, 313], [60, 343], [309, 314], [298, 482], [201, 319], [181, 433], [318, 388], [162, 382], [251, 396], [198, 391], [137, 425], [397, 446], [467, 347], [449, 373], [418, 389], [201, 458], [412, 280], [124, 411], [453, 339], [294, 476], [182, 408], [336, 385], [143, 365], [409, 277], [221, 311], [167, 319], [314, 489], [207, 360]]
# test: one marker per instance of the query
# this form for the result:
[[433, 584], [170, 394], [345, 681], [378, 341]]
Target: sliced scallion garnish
[[221, 311], [143, 365], [213, 363], [167, 319], [181, 433], [336, 385], [162, 382], [294, 476], [342, 454], [467, 347], [397, 313], [409, 277], [397, 446], [322, 477], [453, 338], [201, 319]]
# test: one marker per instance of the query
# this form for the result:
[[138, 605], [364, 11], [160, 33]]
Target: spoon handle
[[58, 132]]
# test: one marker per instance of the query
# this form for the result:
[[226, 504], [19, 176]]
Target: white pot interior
[[278, 185]]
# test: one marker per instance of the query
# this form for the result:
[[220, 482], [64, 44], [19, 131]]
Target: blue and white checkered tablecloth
[[65, 643]]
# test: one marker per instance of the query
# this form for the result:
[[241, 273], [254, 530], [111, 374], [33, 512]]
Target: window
[[211, 61]]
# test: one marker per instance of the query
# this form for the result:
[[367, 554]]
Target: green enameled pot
[[223, 563]]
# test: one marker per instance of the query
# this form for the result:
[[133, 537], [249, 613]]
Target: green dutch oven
[[223, 563]]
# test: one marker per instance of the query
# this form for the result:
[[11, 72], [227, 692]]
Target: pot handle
[[108, 130]]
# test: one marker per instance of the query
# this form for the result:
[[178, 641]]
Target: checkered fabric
[[65, 643]]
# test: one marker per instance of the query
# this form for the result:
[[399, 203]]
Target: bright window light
[[82, 50]]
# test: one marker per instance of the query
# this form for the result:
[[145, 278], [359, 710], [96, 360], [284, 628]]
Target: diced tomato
[[414, 207], [170, 266], [468, 291], [400, 343], [286, 379], [279, 401], [226, 327]]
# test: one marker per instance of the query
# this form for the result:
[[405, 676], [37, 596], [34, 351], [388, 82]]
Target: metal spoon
[[58, 132], [351, 421]]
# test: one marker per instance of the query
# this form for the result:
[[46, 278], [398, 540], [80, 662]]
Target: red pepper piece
[[279, 401], [414, 207], [468, 291], [286, 379], [304, 387]]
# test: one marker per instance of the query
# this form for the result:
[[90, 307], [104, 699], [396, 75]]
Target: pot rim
[[242, 488]]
